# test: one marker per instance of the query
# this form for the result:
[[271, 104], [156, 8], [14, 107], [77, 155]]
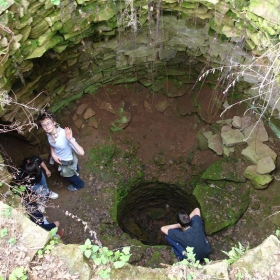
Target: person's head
[[183, 219], [32, 167], [47, 121]]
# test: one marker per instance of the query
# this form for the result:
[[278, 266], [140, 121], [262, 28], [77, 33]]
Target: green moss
[[230, 169], [222, 205], [155, 259]]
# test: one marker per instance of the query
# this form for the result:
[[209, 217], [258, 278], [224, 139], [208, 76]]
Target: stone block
[[236, 122], [259, 181], [225, 128], [260, 259], [215, 144], [32, 236], [80, 110], [256, 132], [265, 165], [88, 113], [72, 257], [256, 150], [232, 137]]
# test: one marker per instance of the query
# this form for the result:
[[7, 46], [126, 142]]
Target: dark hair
[[183, 219], [32, 167], [45, 115]]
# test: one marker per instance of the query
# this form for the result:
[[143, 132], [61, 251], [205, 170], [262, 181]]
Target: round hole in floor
[[149, 206]]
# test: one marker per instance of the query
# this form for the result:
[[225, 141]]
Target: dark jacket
[[30, 179]]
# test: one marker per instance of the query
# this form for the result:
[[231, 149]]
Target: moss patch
[[222, 205], [230, 169]]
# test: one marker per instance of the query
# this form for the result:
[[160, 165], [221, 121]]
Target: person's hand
[[56, 159], [48, 173], [56, 223], [68, 132]]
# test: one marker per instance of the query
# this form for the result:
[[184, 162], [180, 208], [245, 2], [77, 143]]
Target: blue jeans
[[76, 181], [41, 188], [177, 248]]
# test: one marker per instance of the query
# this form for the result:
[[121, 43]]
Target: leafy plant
[[47, 249], [106, 258], [191, 263], [18, 273], [3, 232], [239, 276], [19, 189], [55, 2], [7, 212], [12, 241], [235, 253], [277, 232]]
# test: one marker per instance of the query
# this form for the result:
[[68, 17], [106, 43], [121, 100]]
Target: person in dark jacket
[[29, 199], [188, 232], [32, 175]]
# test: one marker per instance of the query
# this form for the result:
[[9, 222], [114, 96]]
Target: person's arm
[[165, 229], [196, 211], [69, 136], [48, 226], [48, 172], [54, 156]]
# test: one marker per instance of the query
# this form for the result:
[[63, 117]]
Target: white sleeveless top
[[62, 147]]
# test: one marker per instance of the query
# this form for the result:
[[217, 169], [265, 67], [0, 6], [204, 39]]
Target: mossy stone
[[222, 206], [230, 169]]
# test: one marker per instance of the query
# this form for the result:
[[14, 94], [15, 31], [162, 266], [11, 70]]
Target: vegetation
[[263, 74], [104, 258], [235, 253]]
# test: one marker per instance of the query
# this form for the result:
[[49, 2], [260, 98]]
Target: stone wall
[[54, 54]]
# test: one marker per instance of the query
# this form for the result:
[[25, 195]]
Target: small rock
[[208, 134], [108, 107], [259, 181], [265, 165], [88, 113], [225, 128], [75, 117], [215, 143], [162, 105], [147, 106], [78, 123], [81, 108], [236, 122], [232, 137], [256, 133], [93, 122], [256, 150], [228, 150]]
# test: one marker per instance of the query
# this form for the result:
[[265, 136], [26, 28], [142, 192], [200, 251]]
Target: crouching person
[[29, 200], [188, 232]]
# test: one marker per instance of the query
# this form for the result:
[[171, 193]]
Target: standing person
[[188, 232], [64, 148], [31, 175]]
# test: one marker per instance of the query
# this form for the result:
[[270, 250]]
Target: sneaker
[[60, 232], [41, 208], [71, 188], [53, 195]]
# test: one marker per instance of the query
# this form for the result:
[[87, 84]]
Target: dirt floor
[[151, 132]]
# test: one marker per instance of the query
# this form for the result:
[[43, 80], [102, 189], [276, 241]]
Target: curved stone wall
[[54, 54]]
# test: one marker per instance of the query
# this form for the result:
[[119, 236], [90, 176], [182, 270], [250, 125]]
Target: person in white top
[[64, 148]]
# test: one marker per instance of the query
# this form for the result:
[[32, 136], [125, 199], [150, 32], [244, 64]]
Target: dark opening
[[147, 207]]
